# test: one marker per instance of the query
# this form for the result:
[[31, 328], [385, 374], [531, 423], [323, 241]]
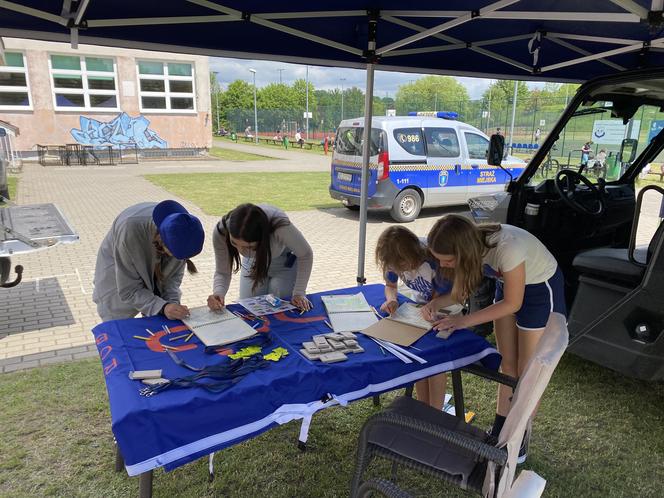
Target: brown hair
[[457, 236], [398, 249], [161, 253], [250, 223]]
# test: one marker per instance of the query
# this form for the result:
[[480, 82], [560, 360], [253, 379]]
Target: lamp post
[[280, 71], [307, 105], [216, 98], [253, 71], [342, 97]]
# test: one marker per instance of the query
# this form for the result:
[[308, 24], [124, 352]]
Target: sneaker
[[523, 451]]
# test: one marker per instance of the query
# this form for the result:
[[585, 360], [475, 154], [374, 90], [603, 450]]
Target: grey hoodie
[[124, 273]]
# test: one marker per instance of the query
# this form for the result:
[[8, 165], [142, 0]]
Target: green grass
[[236, 155], [218, 193], [597, 435], [12, 183]]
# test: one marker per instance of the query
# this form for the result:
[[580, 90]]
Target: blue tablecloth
[[178, 426]]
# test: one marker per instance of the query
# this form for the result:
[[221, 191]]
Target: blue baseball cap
[[181, 232]]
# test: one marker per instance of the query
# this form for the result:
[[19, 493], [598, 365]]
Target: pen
[[148, 331], [382, 350], [141, 337], [189, 337], [176, 338], [376, 312], [255, 325], [328, 324]]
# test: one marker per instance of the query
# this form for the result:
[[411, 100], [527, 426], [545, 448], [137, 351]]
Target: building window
[[14, 86], [166, 86], [83, 83]]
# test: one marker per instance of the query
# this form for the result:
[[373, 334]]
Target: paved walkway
[[49, 316]]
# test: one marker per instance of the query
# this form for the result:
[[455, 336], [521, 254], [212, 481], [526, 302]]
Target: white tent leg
[[364, 187]]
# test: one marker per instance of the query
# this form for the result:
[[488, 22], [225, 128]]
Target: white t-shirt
[[513, 247], [298, 137]]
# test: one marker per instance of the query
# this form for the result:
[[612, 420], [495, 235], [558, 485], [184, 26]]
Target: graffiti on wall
[[121, 131]]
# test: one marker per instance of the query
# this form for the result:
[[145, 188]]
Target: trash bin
[[612, 168], [234, 136]]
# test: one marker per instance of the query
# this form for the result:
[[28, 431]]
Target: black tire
[[406, 206], [352, 207]]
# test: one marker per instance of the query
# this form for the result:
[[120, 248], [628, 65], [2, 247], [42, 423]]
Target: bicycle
[[550, 165]]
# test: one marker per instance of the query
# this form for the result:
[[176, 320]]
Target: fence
[[532, 113], [83, 155]]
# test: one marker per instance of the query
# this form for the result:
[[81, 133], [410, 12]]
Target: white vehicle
[[416, 161]]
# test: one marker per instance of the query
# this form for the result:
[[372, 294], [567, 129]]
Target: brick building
[[102, 95]]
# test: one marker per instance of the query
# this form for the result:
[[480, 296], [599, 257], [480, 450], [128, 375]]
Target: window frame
[[465, 138], [17, 89], [428, 130], [166, 94], [85, 91], [421, 141]]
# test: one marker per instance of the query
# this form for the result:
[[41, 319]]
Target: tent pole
[[516, 86], [364, 187]]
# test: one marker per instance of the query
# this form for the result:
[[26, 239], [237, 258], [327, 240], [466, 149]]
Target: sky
[[327, 78]]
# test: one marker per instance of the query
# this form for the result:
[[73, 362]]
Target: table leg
[[376, 400], [145, 485], [458, 395], [409, 390], [119, 461]]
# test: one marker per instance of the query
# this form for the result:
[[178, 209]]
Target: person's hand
[[215, 302], [301, 302], [174, 311], [451, 323], [428, 312], [389, 307]]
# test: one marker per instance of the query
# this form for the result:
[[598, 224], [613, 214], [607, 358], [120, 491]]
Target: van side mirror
[[496, 149]]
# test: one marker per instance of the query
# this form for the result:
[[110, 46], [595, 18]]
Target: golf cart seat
[[614, 264]]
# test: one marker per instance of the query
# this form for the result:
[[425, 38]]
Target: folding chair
[[415, 435]]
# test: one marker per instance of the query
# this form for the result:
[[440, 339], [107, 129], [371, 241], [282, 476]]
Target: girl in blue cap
[[141, 261], [271, 253]]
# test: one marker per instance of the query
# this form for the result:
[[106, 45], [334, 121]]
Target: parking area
[[50, 315]]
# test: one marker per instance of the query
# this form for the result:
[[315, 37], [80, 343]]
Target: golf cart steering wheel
[[566, 181]]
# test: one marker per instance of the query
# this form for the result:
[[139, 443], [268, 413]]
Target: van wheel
[[407, 206], [352, 207]]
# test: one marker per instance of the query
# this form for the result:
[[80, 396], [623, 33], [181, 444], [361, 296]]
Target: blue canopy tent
[[549, 40]]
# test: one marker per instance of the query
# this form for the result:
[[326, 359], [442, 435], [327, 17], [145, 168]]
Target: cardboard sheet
[[396, 332]]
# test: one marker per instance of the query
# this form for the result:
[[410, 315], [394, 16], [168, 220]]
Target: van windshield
[[349, 141]]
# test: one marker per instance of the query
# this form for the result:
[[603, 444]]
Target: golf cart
[[594, 224], [25, 229]]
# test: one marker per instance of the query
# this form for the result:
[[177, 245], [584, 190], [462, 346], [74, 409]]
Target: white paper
[[259, 306], [345, 303], [410, 314], [352, 321], [217, 328]]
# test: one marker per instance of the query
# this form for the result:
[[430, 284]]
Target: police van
[[420, 160]]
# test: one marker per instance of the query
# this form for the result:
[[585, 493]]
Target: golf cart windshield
[[607, 132], [597, 144]]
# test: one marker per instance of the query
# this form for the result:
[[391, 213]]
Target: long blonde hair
[[398, 249], [457, 236]]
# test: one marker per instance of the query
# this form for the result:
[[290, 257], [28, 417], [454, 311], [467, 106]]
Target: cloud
[[327, 78]]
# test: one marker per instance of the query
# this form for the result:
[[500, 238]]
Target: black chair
[[417, 436]]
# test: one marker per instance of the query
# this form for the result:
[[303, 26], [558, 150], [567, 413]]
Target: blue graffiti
[[121, 131]]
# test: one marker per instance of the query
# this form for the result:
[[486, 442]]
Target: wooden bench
[[658, 170]]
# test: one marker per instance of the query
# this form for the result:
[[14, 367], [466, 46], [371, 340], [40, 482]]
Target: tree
[[431, 93], [502, 92], [239, 95], [215, 102]]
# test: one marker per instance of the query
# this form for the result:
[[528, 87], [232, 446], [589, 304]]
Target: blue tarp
[[178, 426], [519, 39]]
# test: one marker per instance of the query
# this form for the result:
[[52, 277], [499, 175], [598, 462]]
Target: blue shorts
[[538, 301]]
